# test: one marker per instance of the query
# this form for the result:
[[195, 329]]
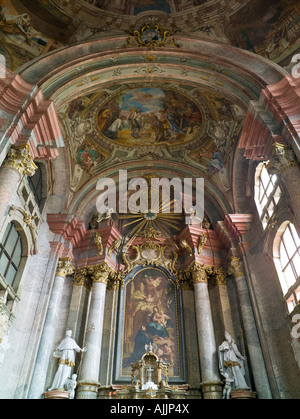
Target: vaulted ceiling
[[150, 86]]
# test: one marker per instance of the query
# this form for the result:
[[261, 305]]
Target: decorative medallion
[[152, 36]]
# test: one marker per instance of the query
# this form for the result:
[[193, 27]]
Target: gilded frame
[[122, 371]]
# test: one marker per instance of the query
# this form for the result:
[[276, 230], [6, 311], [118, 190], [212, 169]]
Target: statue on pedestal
[[231, 364], [66, 353]]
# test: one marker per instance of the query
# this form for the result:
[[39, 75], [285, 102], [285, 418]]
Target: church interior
[[159, 303]]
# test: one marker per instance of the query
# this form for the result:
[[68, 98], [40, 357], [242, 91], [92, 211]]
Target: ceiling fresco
[[30, 29], [149, 116], [129, 123], [150, 83]]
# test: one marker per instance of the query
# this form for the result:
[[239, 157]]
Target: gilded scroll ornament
[[151, 36], [20, 159], [98, 241], [184, 244], [150, 253], [64, 267], [202, 241]]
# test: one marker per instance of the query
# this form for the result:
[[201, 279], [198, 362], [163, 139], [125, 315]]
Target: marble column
[[258, 366], [88, 384], [285, 163], [220, 297], [45, 350], [18, 162], [79, 302], [211, 384]]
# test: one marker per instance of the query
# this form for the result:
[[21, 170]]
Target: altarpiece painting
[[149, 314]]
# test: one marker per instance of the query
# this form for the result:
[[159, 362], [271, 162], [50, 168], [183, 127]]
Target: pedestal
[[56, 395], [87, 391], [243, 395], [212, 390]]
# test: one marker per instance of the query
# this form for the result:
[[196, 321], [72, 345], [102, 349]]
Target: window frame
[[262, 194], [10, 256], [290, 291]]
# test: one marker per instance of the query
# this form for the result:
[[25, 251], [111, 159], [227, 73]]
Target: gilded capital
[[236, 267], [81, 278], [100, 273], [20, 159], [283, 158], [220, 276], [64, 267], [200, 273]]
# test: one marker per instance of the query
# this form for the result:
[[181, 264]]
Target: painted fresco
[[146, 5], [20, 42], [275, 37], [150, 316], [87, 157], [150, 116]]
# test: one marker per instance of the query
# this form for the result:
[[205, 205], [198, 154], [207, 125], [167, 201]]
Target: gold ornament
[[64, 267], [98, 241], [20, 159]]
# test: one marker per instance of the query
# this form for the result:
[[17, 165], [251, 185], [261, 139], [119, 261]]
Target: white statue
[[191, 217], [66, 353], [71, 385], [228, 386], [231, 363]]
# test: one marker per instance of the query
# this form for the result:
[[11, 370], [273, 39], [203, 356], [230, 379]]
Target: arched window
[[287, 260], [36, 185], [10, 254], [267, 193]]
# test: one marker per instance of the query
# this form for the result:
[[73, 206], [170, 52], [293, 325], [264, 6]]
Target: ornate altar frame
[[119, 377]]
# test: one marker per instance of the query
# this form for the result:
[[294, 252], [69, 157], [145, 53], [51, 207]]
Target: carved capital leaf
[[20, 159]]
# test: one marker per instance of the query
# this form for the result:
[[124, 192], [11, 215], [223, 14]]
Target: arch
[[73, 72]]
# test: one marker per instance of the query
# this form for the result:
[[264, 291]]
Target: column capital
[[100, 273], [20, 159], [64, 267], [200, 273], [81, 278], [282, 159], [220, 276], [236, 267]]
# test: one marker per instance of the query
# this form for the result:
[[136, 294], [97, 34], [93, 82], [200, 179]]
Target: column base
[[56, 395], [243, 395], [87, 390], [212, 390]]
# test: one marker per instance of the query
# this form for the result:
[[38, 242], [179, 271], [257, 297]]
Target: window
[[10, 254], [31, 193], [287, 261], [267, 193], [36, 186]]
